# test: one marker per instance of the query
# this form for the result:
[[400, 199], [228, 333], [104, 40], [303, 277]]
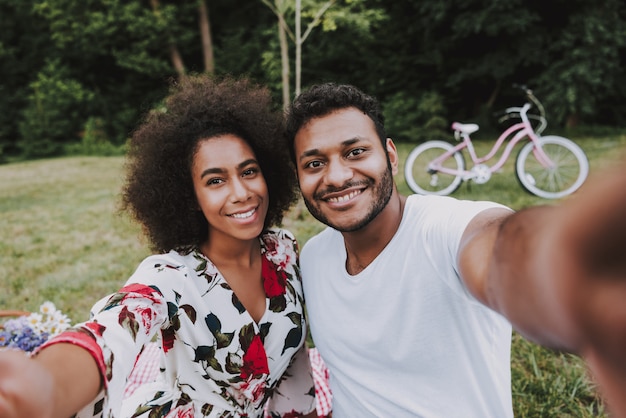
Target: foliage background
[[80, 74]]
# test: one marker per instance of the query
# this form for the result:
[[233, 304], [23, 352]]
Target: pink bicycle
[[547, 166]]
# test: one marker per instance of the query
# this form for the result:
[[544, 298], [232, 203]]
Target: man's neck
[[364, 245]]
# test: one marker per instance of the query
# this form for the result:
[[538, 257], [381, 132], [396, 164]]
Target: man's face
[[345, 175]]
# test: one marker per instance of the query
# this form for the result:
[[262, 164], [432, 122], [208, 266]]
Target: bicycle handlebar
[[515, 112], [531, 97]]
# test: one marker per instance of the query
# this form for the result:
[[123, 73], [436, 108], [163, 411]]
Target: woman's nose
[[239, 190]]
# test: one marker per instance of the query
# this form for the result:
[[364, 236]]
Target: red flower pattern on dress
[[147, 315], [131, 290], [278, 252], [254, 360], [252, 390], [95, 328], [182, 412], [274, 280]]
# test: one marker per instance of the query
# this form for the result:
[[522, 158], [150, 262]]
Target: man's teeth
[[344, 197], [243, 215]]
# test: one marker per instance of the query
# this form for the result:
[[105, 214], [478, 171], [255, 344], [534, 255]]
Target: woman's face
[[230, 188]]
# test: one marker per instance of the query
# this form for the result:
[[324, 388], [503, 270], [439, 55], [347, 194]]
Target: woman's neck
[[233, 253]]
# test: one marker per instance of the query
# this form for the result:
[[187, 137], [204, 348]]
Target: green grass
[[63, 240]]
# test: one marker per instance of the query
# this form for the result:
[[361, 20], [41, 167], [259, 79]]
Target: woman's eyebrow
[[219, 170]]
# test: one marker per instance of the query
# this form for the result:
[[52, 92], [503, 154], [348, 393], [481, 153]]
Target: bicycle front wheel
[[424, 180], [568, 171]]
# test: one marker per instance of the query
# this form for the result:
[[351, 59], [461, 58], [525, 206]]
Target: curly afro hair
[[158, 191]]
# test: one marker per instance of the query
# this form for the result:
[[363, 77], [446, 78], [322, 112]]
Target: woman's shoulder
[[173, 261]]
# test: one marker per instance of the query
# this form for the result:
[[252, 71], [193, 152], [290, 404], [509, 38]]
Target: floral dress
[[216, 361]]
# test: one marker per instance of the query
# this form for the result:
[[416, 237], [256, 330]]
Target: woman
[[223, 299]]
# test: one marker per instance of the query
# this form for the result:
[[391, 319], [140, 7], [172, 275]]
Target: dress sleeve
[[121, 325], [295, 393]]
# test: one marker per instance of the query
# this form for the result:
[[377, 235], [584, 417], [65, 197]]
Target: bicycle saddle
[[466, 128]]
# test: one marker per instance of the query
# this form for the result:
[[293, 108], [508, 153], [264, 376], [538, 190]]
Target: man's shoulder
[[325, 234], [324, 239]]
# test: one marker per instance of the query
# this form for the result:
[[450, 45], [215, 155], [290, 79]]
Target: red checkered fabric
[[147, 369], [323, 396]]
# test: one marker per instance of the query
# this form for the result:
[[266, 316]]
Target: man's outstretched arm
[[558, 274]]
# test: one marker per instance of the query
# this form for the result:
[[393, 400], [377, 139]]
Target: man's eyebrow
[[247, 162], [215, 170], [219, 170], [316, 151], [309, 153]]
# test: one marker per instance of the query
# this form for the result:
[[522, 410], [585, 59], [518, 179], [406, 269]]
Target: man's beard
[[382, 194]]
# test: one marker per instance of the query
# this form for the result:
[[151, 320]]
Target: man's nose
[[338, 173]]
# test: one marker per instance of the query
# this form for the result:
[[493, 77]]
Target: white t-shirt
[[404, 338]]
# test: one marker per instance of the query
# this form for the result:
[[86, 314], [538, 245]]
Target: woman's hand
[[56, 383], [26, 387]]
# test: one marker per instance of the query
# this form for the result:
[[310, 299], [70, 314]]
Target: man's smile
[[345, 197]]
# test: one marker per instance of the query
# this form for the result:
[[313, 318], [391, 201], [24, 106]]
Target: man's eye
[[214, 181], [250, 172], [313, 164], [356, 152]]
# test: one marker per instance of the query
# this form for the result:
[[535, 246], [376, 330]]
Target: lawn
[[64, 240]]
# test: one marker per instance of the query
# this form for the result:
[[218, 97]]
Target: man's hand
[[593, 249]]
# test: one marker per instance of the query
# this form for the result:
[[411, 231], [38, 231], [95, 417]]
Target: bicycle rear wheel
[[569, 171], [422, 180]]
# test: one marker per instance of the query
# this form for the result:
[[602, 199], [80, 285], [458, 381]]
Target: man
[[411, 299]]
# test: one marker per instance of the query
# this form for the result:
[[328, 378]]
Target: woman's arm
[[57, 382]]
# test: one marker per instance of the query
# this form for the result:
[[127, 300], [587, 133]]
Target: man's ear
[[392, 154]]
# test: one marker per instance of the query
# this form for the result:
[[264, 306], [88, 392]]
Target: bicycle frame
[[520, 131]]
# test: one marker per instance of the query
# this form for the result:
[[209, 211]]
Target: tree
[[427, 60], [205, 34], [329, 14], [117, 53], [204, 25], [22, 53], [586, 60]]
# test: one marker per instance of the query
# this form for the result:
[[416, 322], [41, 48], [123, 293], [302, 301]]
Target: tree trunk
[[284, 57], [175, 57], [494, 95], [177, 60], [298, 48], [205, 33], [572, 120]]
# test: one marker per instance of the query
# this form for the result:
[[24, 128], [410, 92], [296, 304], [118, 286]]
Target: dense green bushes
[[56, 109], [67, 66]]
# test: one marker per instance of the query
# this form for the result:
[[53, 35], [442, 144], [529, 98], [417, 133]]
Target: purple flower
[[26, 333], [24, 338]]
